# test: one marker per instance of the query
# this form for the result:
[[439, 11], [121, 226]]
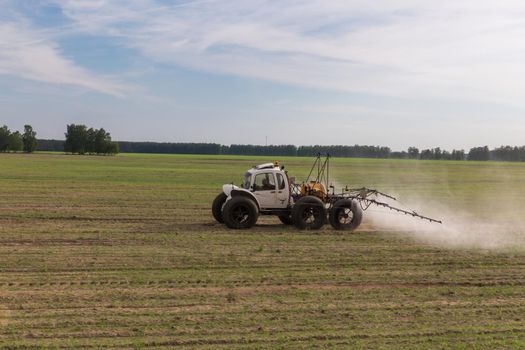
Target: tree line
[[79, 139], [17, 142], [503, 153], [355, 151], [433, 154], [169, 148]]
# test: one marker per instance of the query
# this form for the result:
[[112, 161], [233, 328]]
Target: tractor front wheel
[[346, 214], [216, 207], [240, 213], [309, 213]]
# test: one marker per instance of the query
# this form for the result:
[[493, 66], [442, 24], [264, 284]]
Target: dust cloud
[[481, 206], [458, 230]]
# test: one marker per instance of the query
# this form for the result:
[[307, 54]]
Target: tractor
[[267, 190]]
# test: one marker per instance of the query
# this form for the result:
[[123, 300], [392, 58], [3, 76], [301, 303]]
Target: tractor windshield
[[246, 182]]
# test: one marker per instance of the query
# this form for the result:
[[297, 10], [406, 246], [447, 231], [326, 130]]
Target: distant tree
[[29, 139], [509, 153], [457, 155], [399, 155], [81, 140], [16, 143], [426, 154], [479, 153], [4, 138], [76, 139], [113, 148], [436, 153], [413, 153], [102, 141], [91, 140]]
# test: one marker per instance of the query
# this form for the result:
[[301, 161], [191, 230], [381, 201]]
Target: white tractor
[[267, 190]]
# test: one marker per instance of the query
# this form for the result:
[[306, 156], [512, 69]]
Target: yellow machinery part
[[314, 188]]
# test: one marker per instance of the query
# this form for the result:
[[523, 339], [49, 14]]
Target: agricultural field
[[122, 252]]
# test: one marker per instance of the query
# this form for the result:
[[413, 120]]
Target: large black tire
[[346, 214], [240, 213], [286, 219], [309, 213], [216, 207]]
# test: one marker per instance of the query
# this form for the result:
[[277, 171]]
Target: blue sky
[[387, 72]]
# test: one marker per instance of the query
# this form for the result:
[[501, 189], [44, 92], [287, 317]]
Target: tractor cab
[[267, 184]]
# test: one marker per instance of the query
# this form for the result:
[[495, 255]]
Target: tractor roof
[[273, 166], [264, 166]]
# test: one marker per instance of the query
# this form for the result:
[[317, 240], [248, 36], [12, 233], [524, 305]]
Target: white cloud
[[25, 53], [468, 49]]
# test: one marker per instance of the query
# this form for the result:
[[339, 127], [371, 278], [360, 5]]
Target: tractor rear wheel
[[216, 207], [286, 219], [309, 213], [240, 213], [346, 214]]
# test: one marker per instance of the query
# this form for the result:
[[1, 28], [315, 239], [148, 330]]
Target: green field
[[123, 252]]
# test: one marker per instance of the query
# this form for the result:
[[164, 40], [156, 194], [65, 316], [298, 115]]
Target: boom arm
[[361, 195]]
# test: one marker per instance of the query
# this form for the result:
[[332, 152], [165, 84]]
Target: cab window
[[246, 182], [264, 182], [280, 181]]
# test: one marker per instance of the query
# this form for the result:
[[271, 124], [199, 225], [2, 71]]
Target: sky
[[395, 73]]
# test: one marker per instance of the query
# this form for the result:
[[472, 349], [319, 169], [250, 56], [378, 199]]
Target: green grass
[[123, 252]]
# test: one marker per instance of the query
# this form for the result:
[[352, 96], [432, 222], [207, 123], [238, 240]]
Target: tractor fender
[[234, 191], [228, 188]]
